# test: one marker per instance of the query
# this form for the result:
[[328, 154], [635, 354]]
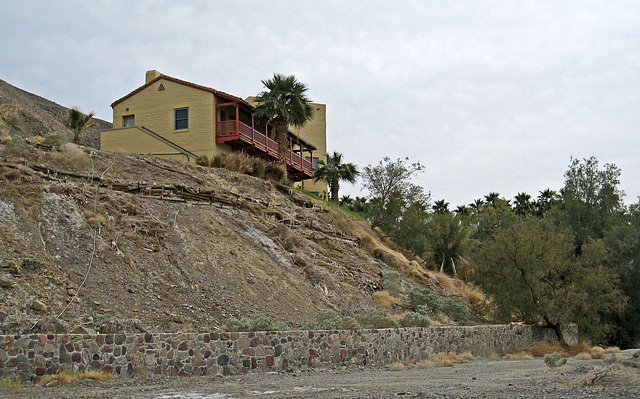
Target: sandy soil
[[476, 379]]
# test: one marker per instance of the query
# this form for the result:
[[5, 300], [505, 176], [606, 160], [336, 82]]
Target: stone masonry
[[195, 354]]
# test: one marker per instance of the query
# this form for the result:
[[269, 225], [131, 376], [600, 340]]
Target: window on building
[[181, 118], [128, 121], [315, 163]]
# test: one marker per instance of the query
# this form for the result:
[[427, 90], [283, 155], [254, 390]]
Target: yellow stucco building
[[172, 118]]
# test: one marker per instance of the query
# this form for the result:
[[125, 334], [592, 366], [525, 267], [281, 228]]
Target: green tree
[[623, 243], [77, 122], [532, 274], [333, 171], [284, 103], [591, 198], [389, 181]]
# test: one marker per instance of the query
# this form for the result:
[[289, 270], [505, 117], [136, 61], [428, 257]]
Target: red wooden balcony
[[241, 136]]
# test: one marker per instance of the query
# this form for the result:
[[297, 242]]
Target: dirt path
[[477, 379]]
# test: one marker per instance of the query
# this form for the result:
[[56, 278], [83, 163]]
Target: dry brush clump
[[69, 377]]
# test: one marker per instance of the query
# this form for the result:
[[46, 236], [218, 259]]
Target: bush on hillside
[[376, 318], [454, 310], [332, 320], [425, 297], [413, 319], [17, 146], [55, 140]]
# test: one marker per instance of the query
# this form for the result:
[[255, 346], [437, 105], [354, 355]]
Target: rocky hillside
[[139, 243], [27, 114]]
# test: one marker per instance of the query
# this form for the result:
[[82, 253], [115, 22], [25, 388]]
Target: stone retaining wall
[[191, 354]]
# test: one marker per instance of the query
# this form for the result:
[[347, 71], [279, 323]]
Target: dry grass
[[442, 360], [385, 300], [15, 382], [583, 356], [472, 293], [425, 364], [579, 348], [518, 356], [539, 349], [397, 366], [85, 375], [597, 352], [611, 349], [468, 356], [72, 156]]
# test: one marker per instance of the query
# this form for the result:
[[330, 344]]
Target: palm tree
[[522, 204], [440, 206], [285, 103], [333, 170], [77, 122]]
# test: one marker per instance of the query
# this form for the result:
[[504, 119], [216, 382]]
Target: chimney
[[152, 74]]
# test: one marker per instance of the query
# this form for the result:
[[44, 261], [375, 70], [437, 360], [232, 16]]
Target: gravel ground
[[477, 379]]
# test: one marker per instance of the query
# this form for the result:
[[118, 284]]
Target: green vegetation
[[17, 146], [11, 382], [554, 360], [56, 140], [333, 171], [77, 122], [413, 319], [332, 320], [376, 318]]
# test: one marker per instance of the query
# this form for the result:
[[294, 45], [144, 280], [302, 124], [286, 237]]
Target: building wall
[[154, 109], [133, 140], [315, 132], [189, 354]]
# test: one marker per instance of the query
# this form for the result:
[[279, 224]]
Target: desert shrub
[[331, 320], [424, 310], [413, 319], [391, 282], [259, 322], [257, 167], [218, 161], [274, 172], [237, 162], [425, 297], [554, 360], [353, 304], [454, 310], [202, 160], [55, 140], [376, 318], [17, 146], [72, 156]]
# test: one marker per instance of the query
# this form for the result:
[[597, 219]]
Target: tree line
[[567, 256]]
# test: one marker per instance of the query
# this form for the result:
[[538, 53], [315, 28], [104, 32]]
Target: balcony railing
[[235, 132]]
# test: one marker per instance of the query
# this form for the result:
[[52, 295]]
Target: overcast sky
[[490, 96]]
